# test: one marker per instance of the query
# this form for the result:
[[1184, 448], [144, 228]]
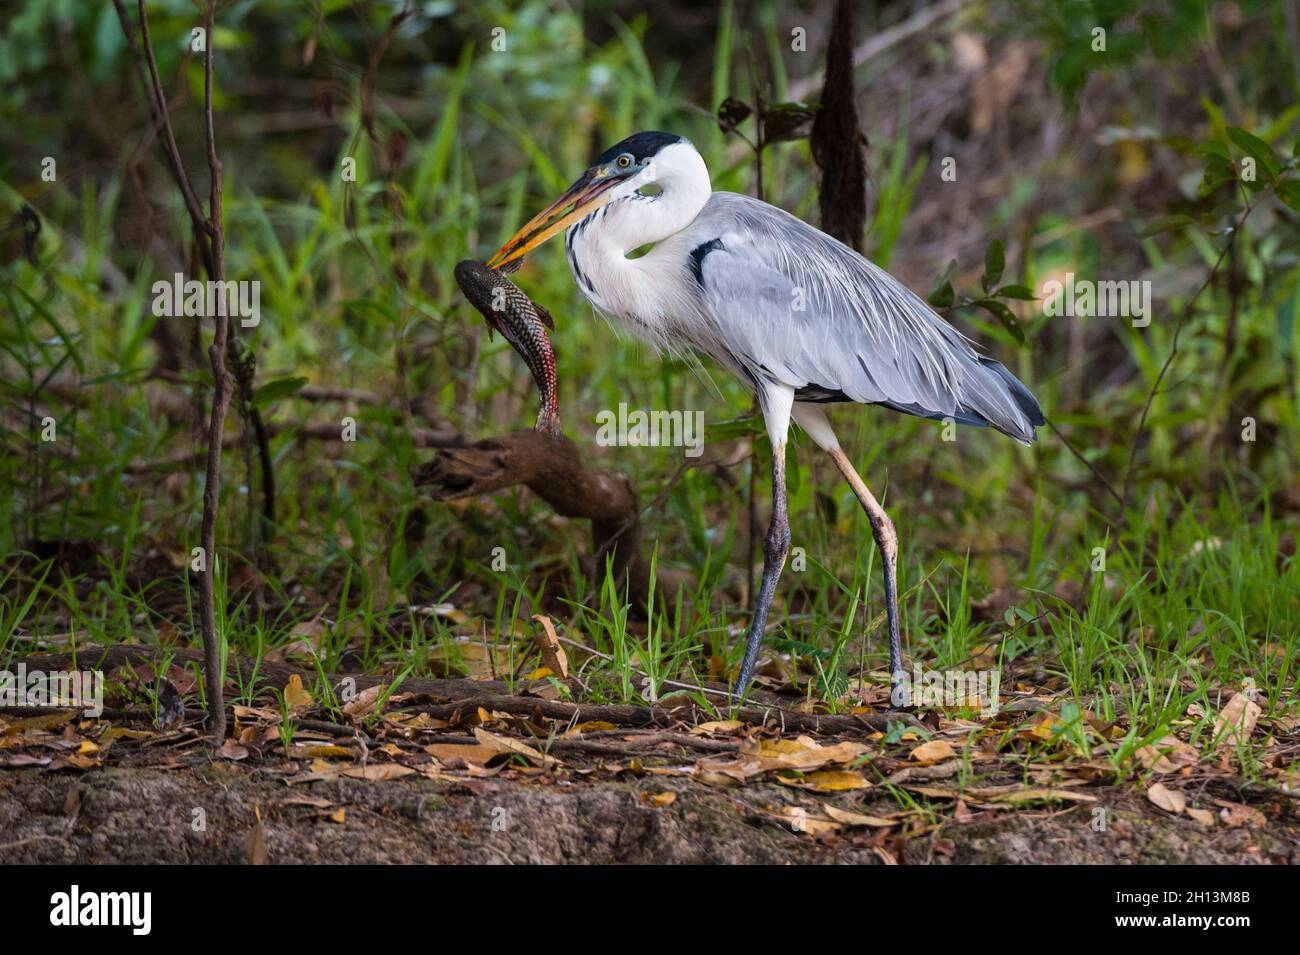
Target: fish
[[521, 322]]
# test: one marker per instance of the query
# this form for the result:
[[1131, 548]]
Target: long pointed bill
[[585, 195]]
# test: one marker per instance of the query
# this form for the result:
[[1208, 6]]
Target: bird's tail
[[1018, 422]]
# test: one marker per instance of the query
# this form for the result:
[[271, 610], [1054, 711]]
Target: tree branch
[[158, 109]]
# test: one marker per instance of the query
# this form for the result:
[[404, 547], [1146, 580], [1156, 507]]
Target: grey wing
[[792, 305]]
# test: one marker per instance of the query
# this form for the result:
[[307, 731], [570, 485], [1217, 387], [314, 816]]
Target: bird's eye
[[623, 161]]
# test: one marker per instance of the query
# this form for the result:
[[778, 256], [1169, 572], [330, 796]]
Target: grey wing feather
[[794, 306]]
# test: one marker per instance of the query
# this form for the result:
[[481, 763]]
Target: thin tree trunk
[[213, 658]]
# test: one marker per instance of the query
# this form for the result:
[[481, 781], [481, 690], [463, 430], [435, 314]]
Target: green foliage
[[942, 296], [1110, 35]]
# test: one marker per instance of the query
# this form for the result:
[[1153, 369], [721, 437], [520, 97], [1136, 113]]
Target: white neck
[[598, 246]]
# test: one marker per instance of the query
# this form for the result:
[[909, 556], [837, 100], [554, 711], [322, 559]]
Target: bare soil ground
[[188, 807]]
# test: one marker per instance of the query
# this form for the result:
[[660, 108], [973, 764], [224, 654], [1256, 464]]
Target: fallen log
[[626, 714], [453, 695]]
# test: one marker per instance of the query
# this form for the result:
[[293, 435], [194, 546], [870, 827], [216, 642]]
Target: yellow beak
[[585, 195]]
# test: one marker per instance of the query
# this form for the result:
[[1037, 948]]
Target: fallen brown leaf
[[232, 750], [255, 841], [935, 751], [827, 781], [1170, 800], [378, 772], [255, 713], [847, 818], [1167, 755], [363, 702], [549, 644], [1035, 795], [716, 726], [296, 696], [1236, 721], [309, 801], [802, 754], [319, 751], [452, 754], [1236, 816], [592, 726], [802, 821], [504, 744], [23, 759]]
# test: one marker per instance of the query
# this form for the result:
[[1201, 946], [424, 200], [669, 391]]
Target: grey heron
[[800, 317]]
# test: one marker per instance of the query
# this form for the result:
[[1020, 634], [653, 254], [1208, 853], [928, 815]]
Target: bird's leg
[[775, 549], [882, 529]]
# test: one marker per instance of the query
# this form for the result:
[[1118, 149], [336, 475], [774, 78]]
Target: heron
[[798, 316]]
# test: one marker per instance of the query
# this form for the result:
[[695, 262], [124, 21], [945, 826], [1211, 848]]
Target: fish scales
[[522, 323]]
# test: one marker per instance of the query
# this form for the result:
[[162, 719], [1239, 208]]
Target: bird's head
[[631, 167]]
